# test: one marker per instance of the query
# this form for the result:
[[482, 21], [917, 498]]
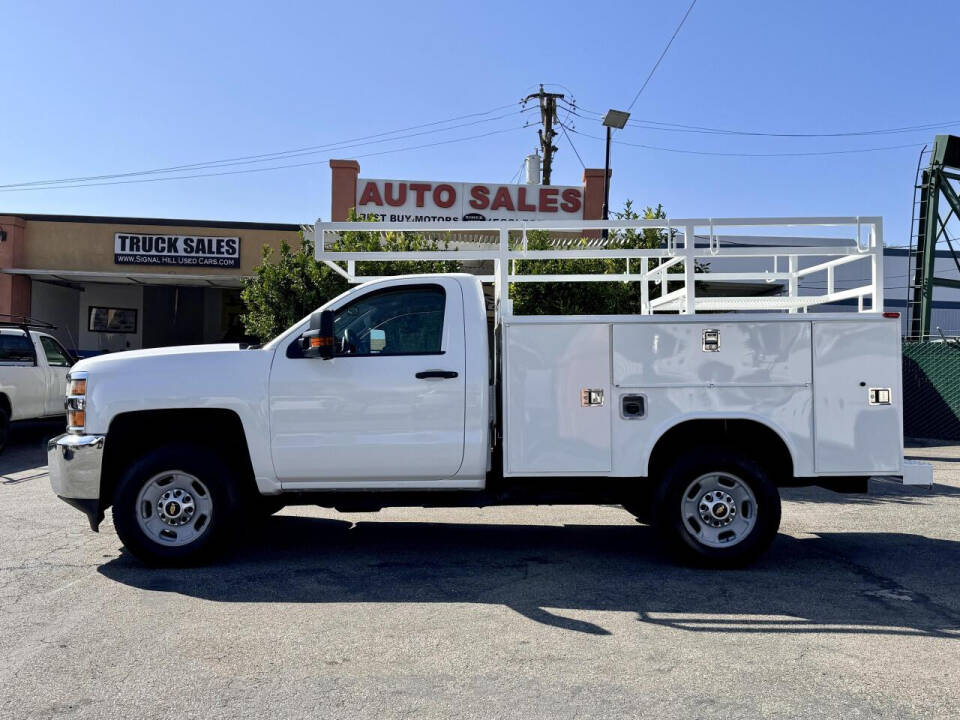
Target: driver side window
[[406, 320]]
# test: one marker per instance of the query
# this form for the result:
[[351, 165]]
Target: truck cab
[[402, 402], [33, 376]]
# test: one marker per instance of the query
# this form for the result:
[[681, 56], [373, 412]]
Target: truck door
[[389, 406], [57, 364]]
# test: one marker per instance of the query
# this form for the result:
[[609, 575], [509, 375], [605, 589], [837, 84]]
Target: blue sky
[[98, 88]]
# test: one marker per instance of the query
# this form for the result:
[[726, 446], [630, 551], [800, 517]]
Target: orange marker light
[[76, 418], [78, 387]]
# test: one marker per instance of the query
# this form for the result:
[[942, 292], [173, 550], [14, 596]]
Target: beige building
[[112, 284]]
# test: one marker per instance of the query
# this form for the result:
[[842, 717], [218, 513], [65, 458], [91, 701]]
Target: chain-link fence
[[931, 390]]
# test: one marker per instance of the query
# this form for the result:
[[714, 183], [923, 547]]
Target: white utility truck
[[33, 373], [407, 391]]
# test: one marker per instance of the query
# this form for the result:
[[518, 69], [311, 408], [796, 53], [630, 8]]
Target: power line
[[516, 176], [283, 154], [657, 64], [739, 154], [262, 169], [575, 151], [676, 127], [668, 127]]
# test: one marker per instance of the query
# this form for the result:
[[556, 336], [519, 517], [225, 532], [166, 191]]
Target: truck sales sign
[[196, 250], [412, 201]]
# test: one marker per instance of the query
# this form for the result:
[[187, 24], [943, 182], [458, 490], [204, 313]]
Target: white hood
[[101, 361]]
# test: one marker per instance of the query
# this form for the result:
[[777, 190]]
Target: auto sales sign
[[427, 201], [195, 250]]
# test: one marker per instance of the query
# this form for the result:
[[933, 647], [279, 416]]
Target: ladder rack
[[679, 263]]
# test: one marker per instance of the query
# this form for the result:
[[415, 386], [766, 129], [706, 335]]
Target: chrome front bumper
[[74, 463]]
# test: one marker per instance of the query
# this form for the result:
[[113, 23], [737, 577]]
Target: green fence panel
[[931, 390]]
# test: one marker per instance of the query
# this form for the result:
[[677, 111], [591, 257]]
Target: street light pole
[[613, 119], [606, 182]]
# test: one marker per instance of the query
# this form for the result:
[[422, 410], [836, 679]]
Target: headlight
[[76, 402]]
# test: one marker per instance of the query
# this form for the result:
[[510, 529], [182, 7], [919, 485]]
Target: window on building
[[16, 347], [56, 355]]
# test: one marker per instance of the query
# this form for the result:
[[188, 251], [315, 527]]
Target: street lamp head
[[616, 119]]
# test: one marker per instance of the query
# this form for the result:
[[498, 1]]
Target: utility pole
[[548, 113]]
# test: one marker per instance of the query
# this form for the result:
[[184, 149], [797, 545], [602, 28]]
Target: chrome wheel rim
[[719, 509], [174, 508]]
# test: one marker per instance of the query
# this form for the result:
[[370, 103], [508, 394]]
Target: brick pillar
[[343, 188], [593, 197], [14, 289]]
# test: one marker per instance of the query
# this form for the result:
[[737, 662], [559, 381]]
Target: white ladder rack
[[862, 243]]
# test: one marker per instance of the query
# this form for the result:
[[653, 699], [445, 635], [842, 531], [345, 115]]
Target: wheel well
[[754, 438], [132, 434], [5, 404]]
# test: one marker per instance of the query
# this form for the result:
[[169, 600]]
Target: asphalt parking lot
[[526, 612]]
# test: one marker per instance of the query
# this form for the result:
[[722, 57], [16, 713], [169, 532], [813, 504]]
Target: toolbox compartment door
[[743, 354], [851, 433], [551, 427]]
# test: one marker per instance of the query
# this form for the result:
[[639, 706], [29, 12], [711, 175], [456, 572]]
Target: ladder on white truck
[[680, 260]]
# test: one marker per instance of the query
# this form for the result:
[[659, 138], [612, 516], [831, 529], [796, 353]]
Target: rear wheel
[[718, 507], [175, 506]]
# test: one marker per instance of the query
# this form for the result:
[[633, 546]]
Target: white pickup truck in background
[[408, 391], [33, 374]]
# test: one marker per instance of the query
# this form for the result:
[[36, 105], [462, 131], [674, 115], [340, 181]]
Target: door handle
[[444, 374]]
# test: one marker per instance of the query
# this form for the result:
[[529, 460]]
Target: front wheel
[[717, 507], [175, 505]]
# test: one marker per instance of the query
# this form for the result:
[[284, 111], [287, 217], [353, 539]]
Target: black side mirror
[[318, 340]]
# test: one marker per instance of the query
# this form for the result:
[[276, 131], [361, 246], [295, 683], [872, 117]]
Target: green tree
[[291, 284], [395, 242], [589, 298], [286, 286]]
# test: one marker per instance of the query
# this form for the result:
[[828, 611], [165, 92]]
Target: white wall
[[119, 296], [58, 305]]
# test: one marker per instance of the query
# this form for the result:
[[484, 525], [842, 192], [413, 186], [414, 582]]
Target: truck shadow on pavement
[[27, 448], [827, 583], [881, 492]]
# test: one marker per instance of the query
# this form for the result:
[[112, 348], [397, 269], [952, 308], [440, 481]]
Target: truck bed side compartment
[[854, 432], [551, 426]]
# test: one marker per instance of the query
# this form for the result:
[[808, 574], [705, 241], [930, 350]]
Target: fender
[[665, 427], [216, 377]]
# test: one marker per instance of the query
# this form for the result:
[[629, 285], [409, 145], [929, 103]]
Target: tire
[[176, 505], [4, 429], [717, 507]]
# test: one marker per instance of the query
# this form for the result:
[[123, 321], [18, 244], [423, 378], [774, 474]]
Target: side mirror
[[318, 340]]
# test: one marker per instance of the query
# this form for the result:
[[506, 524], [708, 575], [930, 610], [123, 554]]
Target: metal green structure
[[934, 186]]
